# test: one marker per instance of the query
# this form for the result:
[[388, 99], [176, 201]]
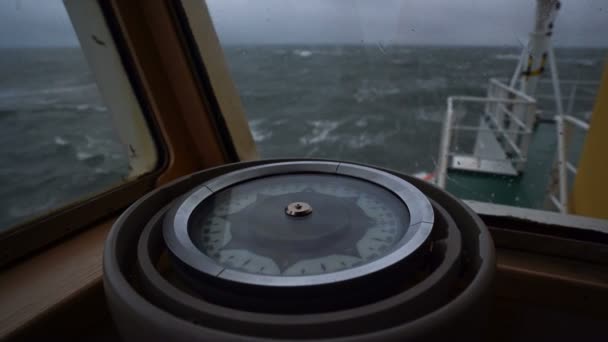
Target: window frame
[[215, 83], [39, 295], [48, 227]]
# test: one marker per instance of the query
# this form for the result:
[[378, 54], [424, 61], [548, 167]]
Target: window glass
[[369, 81], [58, 143]]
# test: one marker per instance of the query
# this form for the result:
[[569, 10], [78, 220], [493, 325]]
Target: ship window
[[71, 125], [370, 82]]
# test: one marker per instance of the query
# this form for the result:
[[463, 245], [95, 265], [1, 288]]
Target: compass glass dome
[[299, 224]]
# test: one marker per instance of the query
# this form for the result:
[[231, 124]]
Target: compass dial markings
[[379, 221]]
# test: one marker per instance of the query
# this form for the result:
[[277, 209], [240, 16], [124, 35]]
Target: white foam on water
[[365, 93], [60, 141], [99, 108], [429, 116], [321, 130], [259, 134], [361, 122], [9, 93], [365, 139], [578, 61], [507, 56], [302, 53], [81, 155]]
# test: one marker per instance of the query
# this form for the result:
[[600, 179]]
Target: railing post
[[561, 163], [444, 145], [529, 112]]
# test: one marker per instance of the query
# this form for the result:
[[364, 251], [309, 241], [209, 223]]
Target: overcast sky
[[468, 22]]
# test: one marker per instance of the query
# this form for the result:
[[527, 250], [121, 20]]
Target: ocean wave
[[372, 93], [81, 155], [429, 115], [321, 130], [365, 139], [400, 61], [302, 53], [432, 84], [101, 171], [90, 159], [82, 107], [361, 123], [259, 134], [16, 93], [578, 61], [507, 56], [336, 52], [60, 141]]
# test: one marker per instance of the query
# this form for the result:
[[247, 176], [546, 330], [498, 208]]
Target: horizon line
[[232, 44]]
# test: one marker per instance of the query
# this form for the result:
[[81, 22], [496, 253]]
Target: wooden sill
[[42, 283], [48, 282]]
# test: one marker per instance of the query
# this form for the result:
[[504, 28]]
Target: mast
[[536, 60]]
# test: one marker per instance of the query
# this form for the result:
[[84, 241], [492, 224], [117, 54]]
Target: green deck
[[526, 190]]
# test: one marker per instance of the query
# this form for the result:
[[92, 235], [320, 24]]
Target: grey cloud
[[470, 22]]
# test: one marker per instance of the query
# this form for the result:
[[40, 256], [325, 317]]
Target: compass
[[291, 225], [298, 249]]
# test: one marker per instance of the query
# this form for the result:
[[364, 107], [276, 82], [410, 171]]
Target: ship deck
[[528, 189]]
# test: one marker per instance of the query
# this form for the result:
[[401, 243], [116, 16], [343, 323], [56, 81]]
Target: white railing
[[581, 92], [564, 166], [509, 115]]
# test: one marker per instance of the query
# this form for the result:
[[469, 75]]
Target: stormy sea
[[381, 105]]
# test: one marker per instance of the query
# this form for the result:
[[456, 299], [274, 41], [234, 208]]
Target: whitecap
[[365, 93], [302, 53], [320, 132], [364, 140], [581, 62], [16, 93], [586, 62], [99, 108], [60, 141], [83, 107], [259, 134], [81, 155], [507, 56], [361, 122]]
